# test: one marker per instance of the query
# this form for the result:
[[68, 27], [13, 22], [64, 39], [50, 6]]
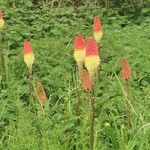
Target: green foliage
[[51, 31]]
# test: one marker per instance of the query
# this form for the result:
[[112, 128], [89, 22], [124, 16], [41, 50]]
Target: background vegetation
[[51, 25]]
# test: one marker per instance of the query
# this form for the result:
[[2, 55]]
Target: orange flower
[[126, 71], [97, 29], [92, 59], [1, 19], [28, 54], [86, 81], [79, 49], [41, 93]]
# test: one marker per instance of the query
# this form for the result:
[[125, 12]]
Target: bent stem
[[129, 125], [92, 101]]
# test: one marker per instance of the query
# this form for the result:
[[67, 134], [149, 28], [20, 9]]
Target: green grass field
[[54, 127]]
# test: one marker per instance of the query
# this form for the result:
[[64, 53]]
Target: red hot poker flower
[[126, 71], [86, 81], [79, 49], [92, 59], [97, 29], [28, 54]]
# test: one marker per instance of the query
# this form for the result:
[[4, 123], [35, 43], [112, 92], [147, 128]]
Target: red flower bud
[[126, 71], [97, 24], [97, 29], [41, 93]]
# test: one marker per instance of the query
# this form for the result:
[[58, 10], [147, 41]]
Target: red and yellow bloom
[[97, 29], [126, 70], [28, 54], [1, 19], [79, 49], [92, 59]]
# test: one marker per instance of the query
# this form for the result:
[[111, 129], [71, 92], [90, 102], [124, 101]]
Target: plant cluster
[[100, 120]]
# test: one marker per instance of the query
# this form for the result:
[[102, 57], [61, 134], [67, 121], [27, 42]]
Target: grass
[[21, 127]]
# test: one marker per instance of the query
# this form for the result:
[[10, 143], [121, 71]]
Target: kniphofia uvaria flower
[[79, 53], [92, 59], [97, 29], [126, 75], [28, 54]]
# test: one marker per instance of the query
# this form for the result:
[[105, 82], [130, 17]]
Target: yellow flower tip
[[79, 56], [92, 63], [98, 36], [1, 23], [29, 60]]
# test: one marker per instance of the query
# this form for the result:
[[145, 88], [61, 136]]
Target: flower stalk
[[79, 56], [126, 75], [29, 60], [92, 62]]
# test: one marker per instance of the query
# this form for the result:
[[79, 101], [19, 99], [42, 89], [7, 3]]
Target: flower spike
[[92, 60], [126, 71], [41, 93], [28, 54], [79, 49], [97, 29]]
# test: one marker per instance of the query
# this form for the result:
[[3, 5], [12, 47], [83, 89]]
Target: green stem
[[129, 125], [79, 104], [31, 86], [2, 64], [92, 100]]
